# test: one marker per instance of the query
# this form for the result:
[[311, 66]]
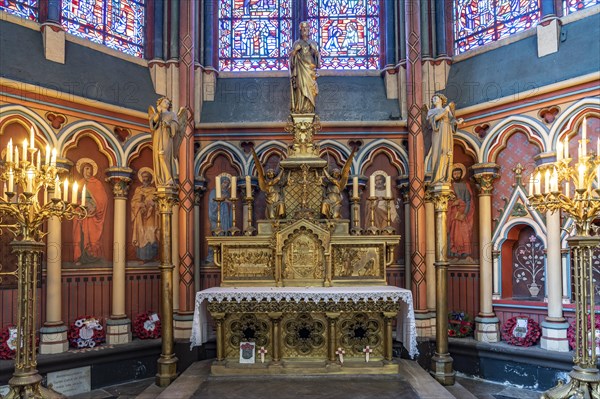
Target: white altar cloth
[[406, 330]]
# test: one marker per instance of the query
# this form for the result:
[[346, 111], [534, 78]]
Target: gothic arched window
[[348, 32], [117, 24], [571, 6], [21, 8], [254, 35], [479, 22]]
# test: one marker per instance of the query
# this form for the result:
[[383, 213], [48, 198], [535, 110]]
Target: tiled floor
[[330, 387]]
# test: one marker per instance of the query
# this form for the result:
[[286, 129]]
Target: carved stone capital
[[441, 195], [166, 197], [120, 179], [485, 182]]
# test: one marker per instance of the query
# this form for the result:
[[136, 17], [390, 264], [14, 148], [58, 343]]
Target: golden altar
[[305, 286]]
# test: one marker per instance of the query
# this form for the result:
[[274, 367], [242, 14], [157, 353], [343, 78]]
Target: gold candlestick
[[372, 229], [389, 230], [233, 230], [218, 231], [356, 230], [249, 230]]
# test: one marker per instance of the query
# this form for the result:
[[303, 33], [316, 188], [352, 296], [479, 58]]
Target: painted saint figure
[[167, 129], [270, 184], [460, 215], [380, 206], [87, 232], [304, 61], [144, 217], [332, 203], [444, 124]]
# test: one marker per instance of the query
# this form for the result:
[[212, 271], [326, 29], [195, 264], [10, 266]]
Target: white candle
[[355, 187], [9, 150], [566, 146], [25, 146], [559, 150], [581, 169], [372, 186], [83, 193], [47, 155], [547, 181], [531, 186], [17, 155], [218, 187], [554, 181], [233, 188], [39, 160], [53, 160], [74, 192], [31, 138], [388, 187], [248, 187], [538, 183], [30, 181], [11, 181], [66, 190], [56, 188], [567, 188]]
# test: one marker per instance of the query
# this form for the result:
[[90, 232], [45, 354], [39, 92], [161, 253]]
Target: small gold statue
[[332, 204], [167, 129], [270, 185]]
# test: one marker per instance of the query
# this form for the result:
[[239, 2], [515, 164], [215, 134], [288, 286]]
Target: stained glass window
[[348, 32], [118, 24], [479, 22], [21, 8], [254, 35], [570, 6]]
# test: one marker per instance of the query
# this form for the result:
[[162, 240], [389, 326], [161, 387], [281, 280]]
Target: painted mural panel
[[254, 35], [528, 266], [88, 242]]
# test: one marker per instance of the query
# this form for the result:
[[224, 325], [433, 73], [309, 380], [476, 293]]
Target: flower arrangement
[[147, 325], [86, 332], [460, 324], [8, 342], [521, 331], [571, 333]]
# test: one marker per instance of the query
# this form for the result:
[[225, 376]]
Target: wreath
[[572, 330], [147, 325], [460, 324], [86, 332], [521, 331], [8, 342]]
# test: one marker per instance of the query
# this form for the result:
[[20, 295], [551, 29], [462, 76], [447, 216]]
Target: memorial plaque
[[72, 381]]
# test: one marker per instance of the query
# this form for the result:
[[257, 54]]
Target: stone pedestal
[[487, 329], [182, 326], [554, 336], [118, 331], [53, 340]]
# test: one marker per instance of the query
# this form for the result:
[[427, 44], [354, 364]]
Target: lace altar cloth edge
[[406, 330]]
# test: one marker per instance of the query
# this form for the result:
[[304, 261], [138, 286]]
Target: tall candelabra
[[583, 206], [25, 205]]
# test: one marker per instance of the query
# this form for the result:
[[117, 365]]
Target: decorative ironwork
[[360, 330], [248, 328], [304, 333]]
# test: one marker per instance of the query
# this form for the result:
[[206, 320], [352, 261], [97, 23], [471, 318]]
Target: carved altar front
[[282, 289]]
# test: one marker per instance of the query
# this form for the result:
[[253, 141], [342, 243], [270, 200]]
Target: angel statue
[[167, 130], [270, 185], [332, 203], [443, 124]]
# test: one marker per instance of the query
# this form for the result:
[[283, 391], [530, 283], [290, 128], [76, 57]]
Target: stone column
[[185, 261], [332, 336], [441, 362], [53, 334], [554, 327], [416, 155], [199, 189], [486, 323], [276, 336], [430, 262], [118, 326]]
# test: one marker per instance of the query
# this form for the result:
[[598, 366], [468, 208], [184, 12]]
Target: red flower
[[451, 333], [464, 330]]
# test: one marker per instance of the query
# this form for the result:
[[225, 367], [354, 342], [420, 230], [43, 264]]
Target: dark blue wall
[[516, 67], [86, 72]]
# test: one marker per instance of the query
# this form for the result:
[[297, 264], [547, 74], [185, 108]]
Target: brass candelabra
[[25, 205], [372, 229], [249, 230], [583, 206]]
